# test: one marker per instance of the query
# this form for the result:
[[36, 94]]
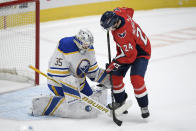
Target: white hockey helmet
[[84, 39]]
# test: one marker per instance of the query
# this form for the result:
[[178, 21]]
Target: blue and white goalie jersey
[[71, 67]]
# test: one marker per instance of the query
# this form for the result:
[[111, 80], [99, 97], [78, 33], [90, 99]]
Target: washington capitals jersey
[[131, 41]]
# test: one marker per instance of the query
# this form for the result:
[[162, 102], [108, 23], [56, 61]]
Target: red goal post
[[19, 40]]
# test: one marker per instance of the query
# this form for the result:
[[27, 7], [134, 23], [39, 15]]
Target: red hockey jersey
[[131, 41]]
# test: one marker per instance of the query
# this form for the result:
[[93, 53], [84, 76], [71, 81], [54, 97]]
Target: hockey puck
[[88, 108]]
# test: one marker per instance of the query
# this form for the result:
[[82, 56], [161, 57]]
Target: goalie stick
[[117, 121], [96, 105]]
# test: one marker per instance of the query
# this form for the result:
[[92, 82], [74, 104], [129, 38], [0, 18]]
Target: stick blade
[[118, 122], [123, 108]]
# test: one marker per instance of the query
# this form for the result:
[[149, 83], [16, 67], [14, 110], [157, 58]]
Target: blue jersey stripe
[[59, 68], [93, 71], [57, 75], [102, 77], [93, 64], [70, 90]]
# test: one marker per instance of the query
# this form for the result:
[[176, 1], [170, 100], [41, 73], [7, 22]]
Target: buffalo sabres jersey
[[68, 61]]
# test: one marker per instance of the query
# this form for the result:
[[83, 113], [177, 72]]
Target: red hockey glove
[[112, 67]]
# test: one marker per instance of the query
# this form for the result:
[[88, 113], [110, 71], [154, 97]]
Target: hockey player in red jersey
[[133, 51]]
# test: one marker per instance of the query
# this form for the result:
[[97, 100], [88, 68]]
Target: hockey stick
[[87, 99], [117, 121]]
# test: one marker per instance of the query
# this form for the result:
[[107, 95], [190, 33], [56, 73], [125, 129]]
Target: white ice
[[170, 78]]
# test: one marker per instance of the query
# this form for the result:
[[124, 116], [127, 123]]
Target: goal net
[[19, 40]]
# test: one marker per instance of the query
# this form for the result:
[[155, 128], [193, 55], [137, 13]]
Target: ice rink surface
[[170, 77]]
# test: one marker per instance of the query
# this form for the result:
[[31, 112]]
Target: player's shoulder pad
[[129, 11], [66, 45]]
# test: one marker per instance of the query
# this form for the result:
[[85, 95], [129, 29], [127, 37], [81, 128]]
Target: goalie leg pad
[[57, 106], [47, 106]]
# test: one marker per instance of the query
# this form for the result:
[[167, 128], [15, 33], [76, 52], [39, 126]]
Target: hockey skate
[[145, 112]]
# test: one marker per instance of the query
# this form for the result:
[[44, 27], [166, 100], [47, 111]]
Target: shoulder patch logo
[[122, 35]]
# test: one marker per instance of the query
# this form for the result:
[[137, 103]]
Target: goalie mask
[[84, 40]]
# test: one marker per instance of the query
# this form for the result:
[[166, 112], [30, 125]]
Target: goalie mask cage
[[19, 40]]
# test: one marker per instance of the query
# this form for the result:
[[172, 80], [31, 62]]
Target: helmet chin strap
[[81, 49]]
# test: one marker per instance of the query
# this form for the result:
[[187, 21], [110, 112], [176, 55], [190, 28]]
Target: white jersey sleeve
[[98, 74]]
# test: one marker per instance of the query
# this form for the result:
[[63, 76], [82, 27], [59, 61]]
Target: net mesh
[[17, 42]]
